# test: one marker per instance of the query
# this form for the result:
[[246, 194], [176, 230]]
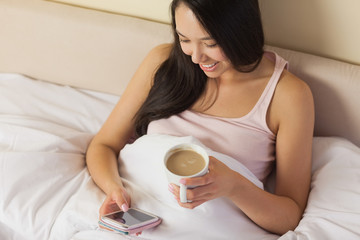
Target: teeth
[[209, 66]]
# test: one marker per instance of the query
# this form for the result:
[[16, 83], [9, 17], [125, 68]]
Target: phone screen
[[131, 217]]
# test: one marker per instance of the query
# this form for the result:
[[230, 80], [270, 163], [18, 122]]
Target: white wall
[[322, 27], [157, 10]]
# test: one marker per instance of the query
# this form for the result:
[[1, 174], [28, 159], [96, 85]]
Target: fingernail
[[182, 181], [171, 188], [124, 207]]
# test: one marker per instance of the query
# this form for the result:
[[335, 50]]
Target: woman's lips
[[208, 67]]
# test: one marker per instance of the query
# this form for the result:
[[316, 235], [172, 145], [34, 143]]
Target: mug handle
[[183, 197]]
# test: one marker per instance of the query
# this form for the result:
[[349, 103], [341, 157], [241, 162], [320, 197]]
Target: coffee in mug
[[185, 161]]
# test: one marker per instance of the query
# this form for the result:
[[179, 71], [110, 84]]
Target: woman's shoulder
[[153, 60], [160, 53], [290, 86], [292, 97]]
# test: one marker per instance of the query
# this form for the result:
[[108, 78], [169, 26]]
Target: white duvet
[[47, 193]]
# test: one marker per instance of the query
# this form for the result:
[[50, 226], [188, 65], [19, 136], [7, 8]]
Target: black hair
[[236, 27]]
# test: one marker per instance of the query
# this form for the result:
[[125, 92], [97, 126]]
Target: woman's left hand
[[218, 182]]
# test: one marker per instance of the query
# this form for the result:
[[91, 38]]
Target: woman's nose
[[196, 55]]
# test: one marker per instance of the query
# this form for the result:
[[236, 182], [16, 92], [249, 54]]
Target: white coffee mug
[[175, 178]]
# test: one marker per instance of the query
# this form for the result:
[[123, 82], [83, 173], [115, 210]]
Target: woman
[[215, 83]]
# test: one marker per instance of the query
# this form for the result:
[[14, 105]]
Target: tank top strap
[[280, 65], [259, 115]]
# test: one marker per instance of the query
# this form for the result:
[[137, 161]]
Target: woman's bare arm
[[101, 157]]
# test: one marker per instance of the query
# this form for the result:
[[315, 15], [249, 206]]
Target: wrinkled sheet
[[46, 191], [142, 166]]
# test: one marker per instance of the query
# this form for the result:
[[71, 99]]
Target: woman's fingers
[[216, 183], [115, 201], [194, 194]]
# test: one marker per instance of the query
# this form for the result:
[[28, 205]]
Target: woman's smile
[[208, 67]]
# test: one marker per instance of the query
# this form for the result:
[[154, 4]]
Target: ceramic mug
[[185, 160]]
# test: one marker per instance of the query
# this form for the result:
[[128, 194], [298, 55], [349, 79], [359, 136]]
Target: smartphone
[[134, 218]]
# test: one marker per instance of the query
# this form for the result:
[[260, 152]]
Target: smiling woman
[[42, 162], [216, 83], [203, 48]]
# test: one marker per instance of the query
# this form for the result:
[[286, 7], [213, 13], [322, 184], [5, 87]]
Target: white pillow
[[333, 210]]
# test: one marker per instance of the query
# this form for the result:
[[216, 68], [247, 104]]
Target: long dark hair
[[236, 27]]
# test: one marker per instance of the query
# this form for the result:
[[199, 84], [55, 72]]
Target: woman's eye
[[211, 45], [183, 40]]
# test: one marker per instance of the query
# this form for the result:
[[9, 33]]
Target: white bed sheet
[[47, 193], [44, 132]]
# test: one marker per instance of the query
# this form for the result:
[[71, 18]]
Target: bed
[[59, 79]]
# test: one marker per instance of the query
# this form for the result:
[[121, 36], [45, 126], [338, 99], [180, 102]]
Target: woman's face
[[198, 44]]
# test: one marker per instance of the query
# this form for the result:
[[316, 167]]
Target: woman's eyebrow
[[204, 38]]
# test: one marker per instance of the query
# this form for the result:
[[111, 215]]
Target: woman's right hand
[[117, 199]]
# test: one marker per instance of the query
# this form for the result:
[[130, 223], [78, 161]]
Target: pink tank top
[[247, 139]]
